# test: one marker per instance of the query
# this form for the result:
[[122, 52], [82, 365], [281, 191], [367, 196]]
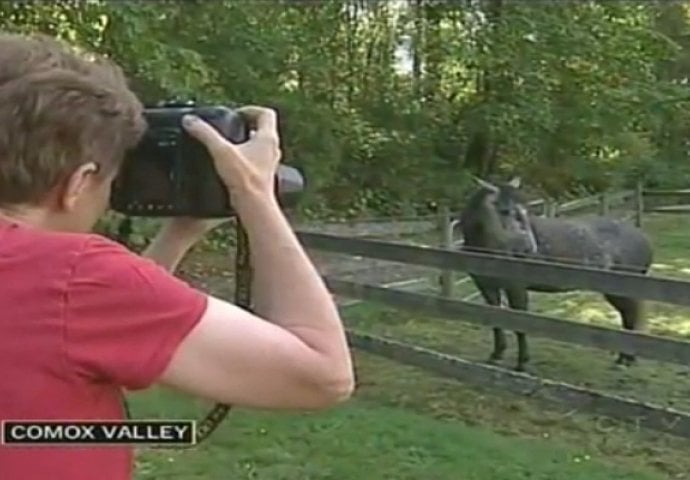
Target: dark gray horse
[[495, 218]]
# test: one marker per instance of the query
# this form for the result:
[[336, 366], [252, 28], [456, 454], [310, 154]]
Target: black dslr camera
[[171, 174]]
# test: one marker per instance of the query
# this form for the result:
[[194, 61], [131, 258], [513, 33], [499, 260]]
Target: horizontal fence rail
[[666, 193], [595, 201], [536, 272], [641, 414], [419, 224], [643, 345], [658, 201]]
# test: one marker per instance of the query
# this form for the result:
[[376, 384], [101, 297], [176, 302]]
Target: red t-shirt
[[81, 318]]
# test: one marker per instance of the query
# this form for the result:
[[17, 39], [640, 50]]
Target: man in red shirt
[[82, 317]]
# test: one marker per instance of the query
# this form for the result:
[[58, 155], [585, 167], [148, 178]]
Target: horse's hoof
[[522, 368], [494, 359], [618, 366], [625, 362]]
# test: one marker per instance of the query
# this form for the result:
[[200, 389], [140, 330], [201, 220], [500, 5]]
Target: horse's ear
[[515, 182], [485, 184]]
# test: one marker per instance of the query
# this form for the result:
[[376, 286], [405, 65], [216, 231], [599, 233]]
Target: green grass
[[373, 442], [407, 424]]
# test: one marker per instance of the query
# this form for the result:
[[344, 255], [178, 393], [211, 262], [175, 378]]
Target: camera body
[[171, 174]]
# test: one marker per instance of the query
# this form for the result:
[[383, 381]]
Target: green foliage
[[574, 96]]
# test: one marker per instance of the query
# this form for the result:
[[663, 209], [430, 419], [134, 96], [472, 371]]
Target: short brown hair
[[59, 110]]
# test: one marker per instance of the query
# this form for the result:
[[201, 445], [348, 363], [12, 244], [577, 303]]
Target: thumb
[[206, 134]]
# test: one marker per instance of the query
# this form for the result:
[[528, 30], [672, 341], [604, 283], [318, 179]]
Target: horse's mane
[[474, 203]]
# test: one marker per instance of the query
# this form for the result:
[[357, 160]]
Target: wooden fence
[[529, 270], [410, 225], [658, 201]]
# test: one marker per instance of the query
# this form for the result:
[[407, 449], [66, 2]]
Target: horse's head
[[503, 211]]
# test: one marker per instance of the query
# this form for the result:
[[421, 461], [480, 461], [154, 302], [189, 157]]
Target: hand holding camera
[[250, 167], [193, 172], [246, 169], [200, 166]]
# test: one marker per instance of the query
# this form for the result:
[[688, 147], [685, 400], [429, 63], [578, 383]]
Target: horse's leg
[[518, 299], [492, 296], [632, 318]]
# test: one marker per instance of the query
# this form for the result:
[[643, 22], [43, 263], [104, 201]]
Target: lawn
[[407, 424], [371, 441]]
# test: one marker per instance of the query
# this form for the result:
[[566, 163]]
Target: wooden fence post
[[446, 278], [550, 208], [639, 203], [604, 203]]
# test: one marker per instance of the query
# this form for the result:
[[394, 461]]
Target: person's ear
[[77, 184]]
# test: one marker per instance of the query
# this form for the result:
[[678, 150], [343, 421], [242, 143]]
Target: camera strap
[[243, 299]]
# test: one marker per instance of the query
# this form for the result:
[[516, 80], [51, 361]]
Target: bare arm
[[170, 246], [293, 353], [288, 289]]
